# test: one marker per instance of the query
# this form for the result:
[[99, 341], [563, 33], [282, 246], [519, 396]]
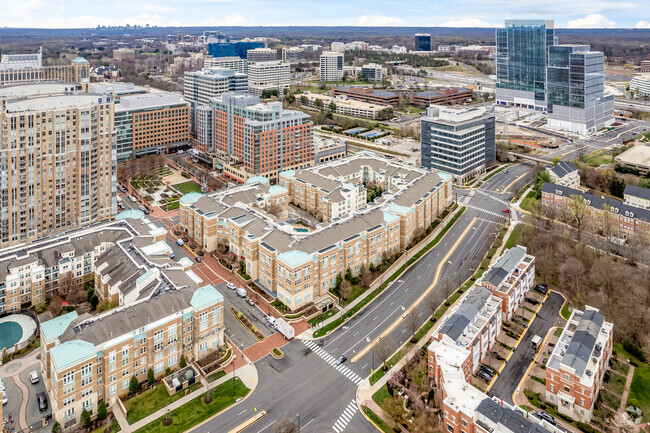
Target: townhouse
[[636, 196], [299, 265], [510, 278], [565, 174], [605, 213], [575, 369]]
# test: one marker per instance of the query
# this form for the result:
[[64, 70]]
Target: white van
[[132, 198], [241, 292]]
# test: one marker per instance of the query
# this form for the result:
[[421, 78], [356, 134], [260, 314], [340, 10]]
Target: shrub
[[585, 427], [56, 428], [94, 302], [85, 419], [150, 376], [185, 174], [134, 385], [633, 348], [183, 363], [101, 411]]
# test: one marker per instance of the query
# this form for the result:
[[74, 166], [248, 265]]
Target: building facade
[[372, 72], [124, 54], [640, 85], [565, 174], [57, 160], [261, 55], [233, 49], [150, 123], [331, 66], [28, 68], [446, 96], [293, 54], [575, 369], [522, 51], [348, 107], [636, 196], [422, 42], [234, 63], [367, 94], [268, 75], [459, 141]]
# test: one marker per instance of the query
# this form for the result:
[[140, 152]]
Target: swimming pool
[[10, 334], [301, 230], [354, 130], [370, 134]]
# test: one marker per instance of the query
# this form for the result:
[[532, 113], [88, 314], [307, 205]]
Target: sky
[[407, 13]]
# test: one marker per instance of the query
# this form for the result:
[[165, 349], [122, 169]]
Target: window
[[567, 389], [171, 331], [159, 367], [450, 429], [87, 369], [68, 378], [158, 337], [125, 384]]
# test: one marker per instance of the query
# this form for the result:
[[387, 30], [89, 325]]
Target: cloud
[[591, 21], [467, 22], [379, 21], [642, 25]]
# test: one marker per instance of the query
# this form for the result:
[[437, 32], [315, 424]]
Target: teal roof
[[390, 217], [143, 277], [402, 210], [294, 258], [80, 60], [288, 173], [54, 328], [444, 176], [277, 189], [135, 214], [190, 198], [72, 352], [205, 296], [257, 179]]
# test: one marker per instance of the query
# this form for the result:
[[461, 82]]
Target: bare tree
[[578, 210], [383, 350], [286, 425], [432, 304], [446, 287], [412, 325], [346, 289]]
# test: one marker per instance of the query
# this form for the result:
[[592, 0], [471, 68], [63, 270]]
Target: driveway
[[33, 415], [506, 383]]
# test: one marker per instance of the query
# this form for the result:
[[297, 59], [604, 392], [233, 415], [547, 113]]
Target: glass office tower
[[522, 47], [422, 42]]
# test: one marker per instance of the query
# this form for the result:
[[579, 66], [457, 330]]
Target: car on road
[[41, 398], [250, 301], [33, 377], [4, 398], [541, 288], [532, 301], [506, 210], [180, 242], [198, 259], [133, 199], [340, 360], [231, 286], [545, 416]]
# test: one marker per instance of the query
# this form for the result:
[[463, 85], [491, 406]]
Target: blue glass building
[[422, 42], [233, 49], [522, 47]]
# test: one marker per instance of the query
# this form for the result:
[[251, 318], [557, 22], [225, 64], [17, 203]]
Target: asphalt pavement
[[508, 380]]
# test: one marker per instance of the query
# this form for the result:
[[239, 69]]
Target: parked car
[[33, 377], [340, 360], [192, 246], [532, 301], [545, 416], [250, 301], [185, 239], [133, 199], [231, 286], [180, 242], [541, 288], [241, 292], [41, 398], [4, 398], [142, 207], [198, 259]]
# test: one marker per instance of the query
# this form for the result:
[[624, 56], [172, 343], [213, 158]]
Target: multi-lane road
[[306, 384]]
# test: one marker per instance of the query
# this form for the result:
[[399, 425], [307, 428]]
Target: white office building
[[331, 66], [268, 75], [234, 63]]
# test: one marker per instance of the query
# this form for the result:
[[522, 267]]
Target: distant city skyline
[[384, 13]]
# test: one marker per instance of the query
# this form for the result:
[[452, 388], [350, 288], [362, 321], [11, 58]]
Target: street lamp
[[233, 377], [298, 415]]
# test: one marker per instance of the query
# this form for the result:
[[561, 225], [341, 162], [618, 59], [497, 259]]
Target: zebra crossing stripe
[[345, 417]]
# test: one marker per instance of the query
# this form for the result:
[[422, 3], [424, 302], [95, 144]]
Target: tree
[[577, 211], [56, 428], [348, 275], [286, 425], [332, 107], [540, 179], [94, 301], [346, 289], [150, 376], [432, 304], [412, 325], [85, 419], [318, 103], [183, 362], [101, 411], [556, 160], [383, 350], [304, 100], [134, 385], [617, 186]]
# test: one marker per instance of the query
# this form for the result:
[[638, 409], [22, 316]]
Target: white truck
[[284, 328]]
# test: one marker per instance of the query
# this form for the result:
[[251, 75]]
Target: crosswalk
[[497, 214], [349, 374], [492, 197], [345, 417]]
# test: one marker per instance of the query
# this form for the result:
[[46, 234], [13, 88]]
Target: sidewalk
[[387, 273], [247, 374]]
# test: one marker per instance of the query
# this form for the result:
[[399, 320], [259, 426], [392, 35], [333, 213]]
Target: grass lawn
[[513, 239], [640, 390], [600, 160], [616, 383], [354, 294], [329, 313], [187, 187], [530, 202], [216, 376], [195, 411], [150, 401], [378, 421], [115, 427], [566, 311], [381, 395], [173, 205], [411, 109]]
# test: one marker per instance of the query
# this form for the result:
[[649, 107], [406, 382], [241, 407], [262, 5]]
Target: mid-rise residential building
[[331, 66], [261, 55], [580, 358], [293, 54], [252, 138], [28, 68], [367, 94], [235, 63], [636, 196], [451, 95], [348, 107], [422, 42], [372, 72], [602, 212], [57, 160], [124, 54], [640, 85], [200, 86], [150, 123], [271, 75], [522, 52], [565, 173], [297, 267], [459, 141], [233, 49], [510, 278], [337, 47], [187, 64], [575, 91]]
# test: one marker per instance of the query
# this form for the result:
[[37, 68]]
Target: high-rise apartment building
[[230, 49], [150, 123], [293, 54], [57, 163], [372, 72], [459, 141], [200, 86], [261, 55], [422, 42], [331, 66], [268, 76], [235, 63], [260, 139], [522, 48], [575, 92]]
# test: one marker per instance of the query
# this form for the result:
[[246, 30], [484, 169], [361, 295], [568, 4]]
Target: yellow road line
[[249, 422], [523, 379], [516, 180], [436, 277]]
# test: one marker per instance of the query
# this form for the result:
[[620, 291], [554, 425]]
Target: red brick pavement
[[260, 350]]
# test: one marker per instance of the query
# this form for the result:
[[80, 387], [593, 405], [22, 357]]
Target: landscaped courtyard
[[162, 186]]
